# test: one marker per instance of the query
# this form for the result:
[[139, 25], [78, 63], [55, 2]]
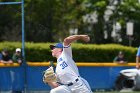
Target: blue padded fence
[[11, 78], [30, 77]]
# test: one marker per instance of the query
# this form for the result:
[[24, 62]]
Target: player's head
[[58, 45], [56, 49]]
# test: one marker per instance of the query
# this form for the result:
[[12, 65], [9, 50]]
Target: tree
[[52, 20]]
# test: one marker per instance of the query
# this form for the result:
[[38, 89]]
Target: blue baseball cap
[[58, 45]]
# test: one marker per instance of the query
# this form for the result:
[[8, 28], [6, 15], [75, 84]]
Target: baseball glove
[[49, 75]]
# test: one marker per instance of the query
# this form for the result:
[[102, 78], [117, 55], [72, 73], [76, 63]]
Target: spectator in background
[[138, 58], [17, 56], [5, 57], [17, 59], [120, 58]]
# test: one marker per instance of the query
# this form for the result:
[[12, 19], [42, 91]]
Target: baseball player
[[68, 77], [138, 58]]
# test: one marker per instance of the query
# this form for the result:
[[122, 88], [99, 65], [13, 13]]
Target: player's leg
[[81, 86], [86, 84], [61, 89]]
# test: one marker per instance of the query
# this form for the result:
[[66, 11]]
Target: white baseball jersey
[[67, 72], [66, 69]]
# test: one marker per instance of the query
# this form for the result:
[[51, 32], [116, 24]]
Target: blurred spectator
[[5, 57], [120, 58], [18, 59], [138, 58], [17, 56]]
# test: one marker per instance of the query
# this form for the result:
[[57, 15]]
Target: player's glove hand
[[49, 75]]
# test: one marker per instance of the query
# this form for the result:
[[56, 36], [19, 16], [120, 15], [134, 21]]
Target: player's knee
[[54, 91], [60, 89]]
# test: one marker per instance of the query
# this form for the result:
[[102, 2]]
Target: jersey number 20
[[63, 65]]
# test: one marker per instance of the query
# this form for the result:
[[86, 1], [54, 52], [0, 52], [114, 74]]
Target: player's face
[[56, 52]]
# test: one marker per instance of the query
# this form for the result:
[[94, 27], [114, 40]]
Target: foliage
[[40, 52], [51, 20]]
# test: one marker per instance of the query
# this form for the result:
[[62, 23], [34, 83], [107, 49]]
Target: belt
[[70, 84]]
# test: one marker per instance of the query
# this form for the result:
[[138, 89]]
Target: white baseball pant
[[81, 86]]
